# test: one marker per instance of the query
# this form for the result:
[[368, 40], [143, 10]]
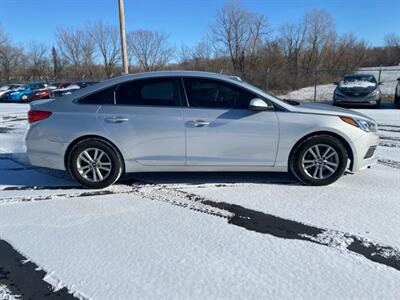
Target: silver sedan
[[194, 121]]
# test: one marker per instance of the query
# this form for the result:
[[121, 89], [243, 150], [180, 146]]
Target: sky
[[187, 21]]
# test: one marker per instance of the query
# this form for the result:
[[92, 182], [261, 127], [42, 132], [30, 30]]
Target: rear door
[[147, 121], [222, 131]]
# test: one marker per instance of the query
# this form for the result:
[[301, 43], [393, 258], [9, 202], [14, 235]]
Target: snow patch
[[333, 238], [5, 294]]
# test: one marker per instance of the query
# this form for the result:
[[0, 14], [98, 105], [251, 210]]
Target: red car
[[45, 93]]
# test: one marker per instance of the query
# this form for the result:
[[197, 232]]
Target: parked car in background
[[71, 88], [358, 89], [397, 93], [9, 87], [194, 121], [23, 94], [46, 92]]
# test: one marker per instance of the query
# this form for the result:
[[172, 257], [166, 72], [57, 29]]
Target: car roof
[[144, 75], [126, 78]]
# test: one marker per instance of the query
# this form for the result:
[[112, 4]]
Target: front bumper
[[364, 151], [370, 99]]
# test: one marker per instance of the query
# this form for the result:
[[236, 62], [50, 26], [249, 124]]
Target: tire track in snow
[[388, 125], [240, 216], [389, 138], [284, 228], [389, 129], [389, 163], [390, 145], [142, 189], [113, 190]]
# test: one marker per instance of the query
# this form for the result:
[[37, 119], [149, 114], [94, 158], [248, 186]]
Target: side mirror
[[259, 105], [381, 83], [336, 83]]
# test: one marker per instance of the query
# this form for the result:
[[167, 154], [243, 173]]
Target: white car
[[9, 87], [194, 121]]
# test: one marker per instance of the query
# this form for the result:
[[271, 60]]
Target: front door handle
[[116, 119], [198, 123]]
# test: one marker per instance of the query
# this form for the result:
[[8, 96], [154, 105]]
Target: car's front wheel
[[94, 164], [319, 160], [378, 103], [396, 97], [24, 98]]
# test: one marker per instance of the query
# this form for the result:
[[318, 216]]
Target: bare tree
[[88, 54], [3, 37], [11, 60], [199, 52], [77, 48], [69, 43], [238, 33], [292, 42], [392, 43], [320, 34], [392, 40], [150, 49], [38, 60], [106, 39]]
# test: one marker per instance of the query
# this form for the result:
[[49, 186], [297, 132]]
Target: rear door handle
[[198, 123], [116, 119]]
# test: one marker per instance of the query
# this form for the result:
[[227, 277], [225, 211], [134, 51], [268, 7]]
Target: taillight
[[38, 115]]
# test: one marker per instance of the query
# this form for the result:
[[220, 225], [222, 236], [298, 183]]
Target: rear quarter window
[[105, 96]]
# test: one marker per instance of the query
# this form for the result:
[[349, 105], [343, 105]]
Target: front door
[[222, 131]]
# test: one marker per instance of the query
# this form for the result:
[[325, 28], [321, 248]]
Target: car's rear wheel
[[94, 164], [319, 160]]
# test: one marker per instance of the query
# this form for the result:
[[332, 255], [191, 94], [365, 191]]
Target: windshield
[[356, 78], [34, 86]]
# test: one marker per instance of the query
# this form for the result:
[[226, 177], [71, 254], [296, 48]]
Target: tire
[[378, 103], [104, 162], [396, 98], [24, 98], [303, 164]]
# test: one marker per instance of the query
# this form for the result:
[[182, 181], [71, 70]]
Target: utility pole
[[123, 37]]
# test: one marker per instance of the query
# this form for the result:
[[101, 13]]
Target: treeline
[[237, 42]]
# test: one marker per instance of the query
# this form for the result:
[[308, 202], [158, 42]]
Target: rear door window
[[149, 92]]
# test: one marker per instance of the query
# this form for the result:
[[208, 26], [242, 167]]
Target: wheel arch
[[93, 137], [345, 143]]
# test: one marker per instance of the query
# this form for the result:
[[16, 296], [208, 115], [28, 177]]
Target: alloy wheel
[[320, 161], [94, 164]]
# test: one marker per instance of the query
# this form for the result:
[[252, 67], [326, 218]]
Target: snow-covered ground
[[206, 236], [325, 91]]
